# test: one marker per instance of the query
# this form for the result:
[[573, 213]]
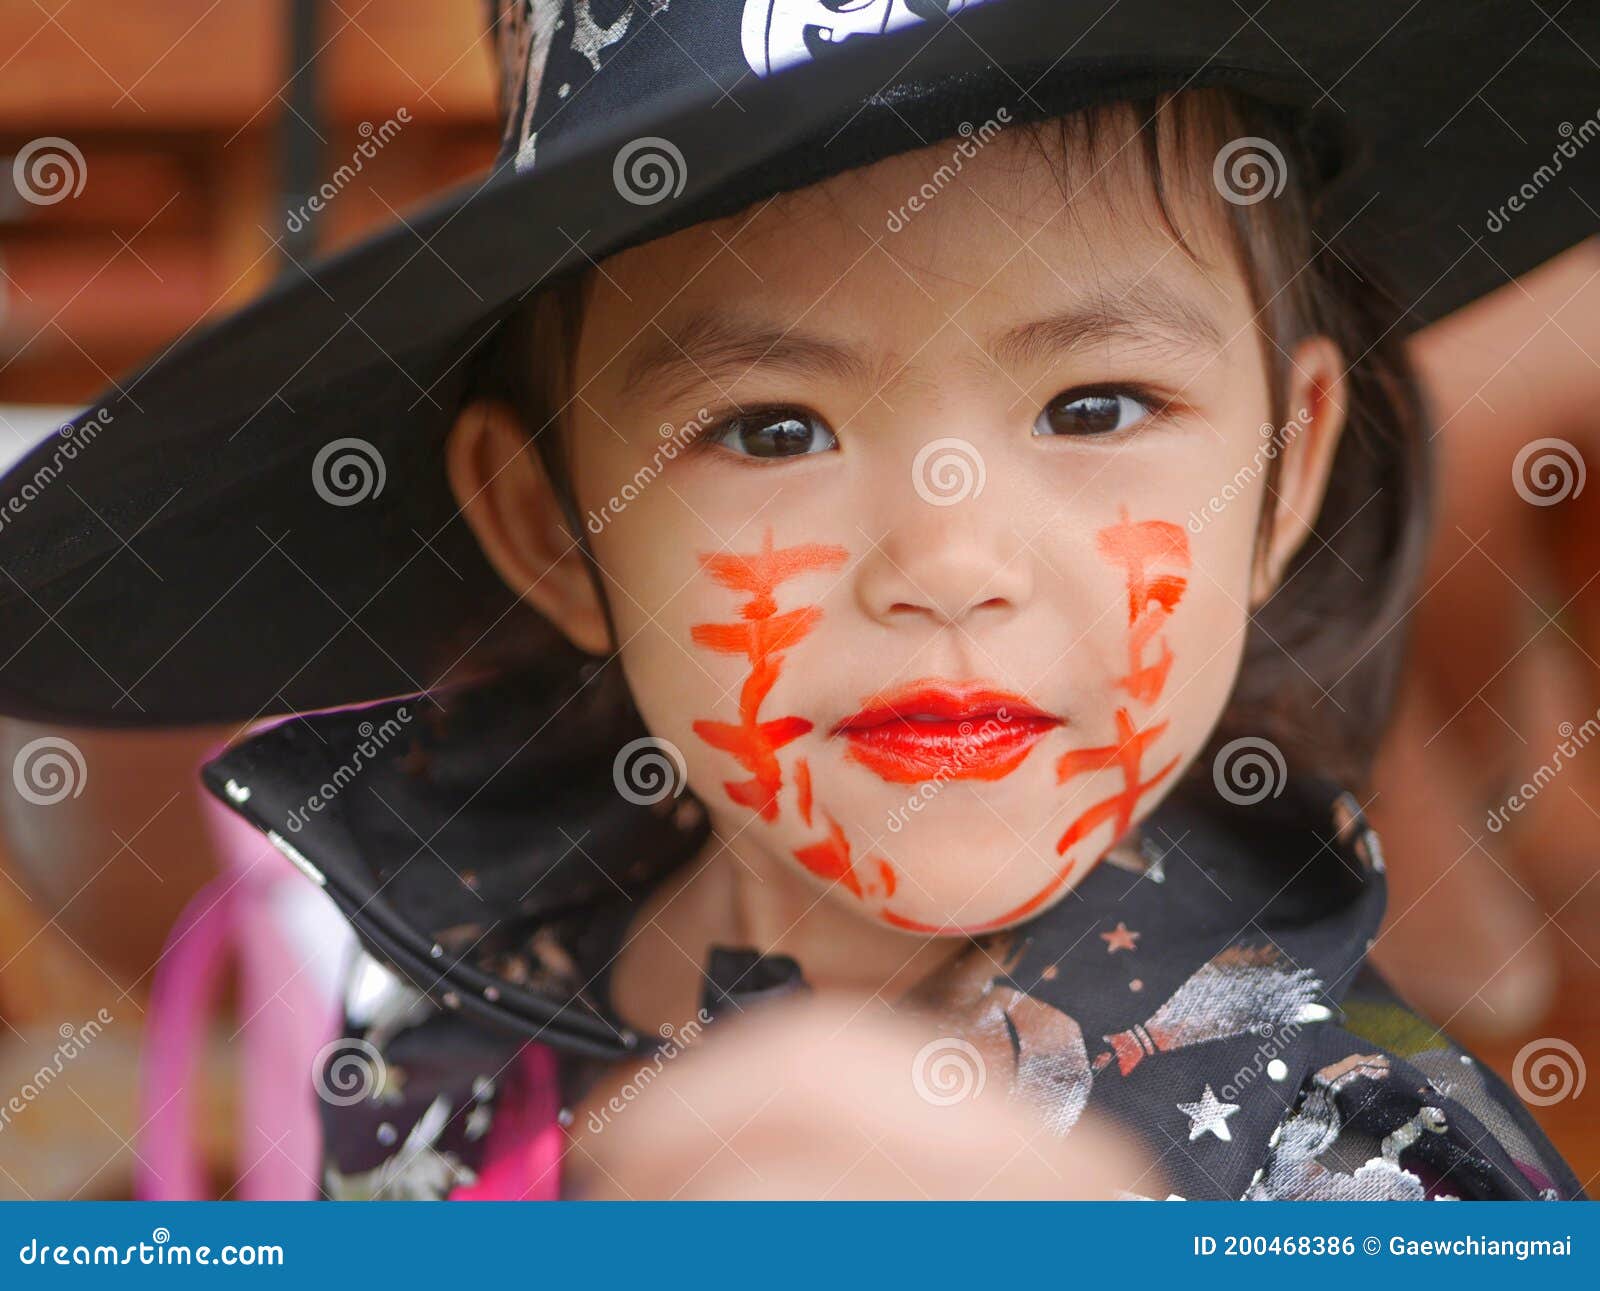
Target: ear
[[1318, 401], [501, 486]]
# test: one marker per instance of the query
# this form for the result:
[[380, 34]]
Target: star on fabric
[[1210, 1114], [1120, 938]]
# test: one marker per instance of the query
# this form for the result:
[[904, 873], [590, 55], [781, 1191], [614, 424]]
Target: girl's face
[[931, 550]]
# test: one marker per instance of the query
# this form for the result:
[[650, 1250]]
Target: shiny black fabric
[[1205, 986]]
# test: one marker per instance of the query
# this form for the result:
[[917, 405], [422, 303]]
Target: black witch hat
[[260, 522]]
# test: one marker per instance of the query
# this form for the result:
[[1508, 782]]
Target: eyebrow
[[713, 344], [1140, 313]]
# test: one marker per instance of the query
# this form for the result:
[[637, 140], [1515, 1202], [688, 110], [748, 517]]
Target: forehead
[[1021, 223]]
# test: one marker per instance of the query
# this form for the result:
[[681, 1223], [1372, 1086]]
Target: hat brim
[[179, 564]]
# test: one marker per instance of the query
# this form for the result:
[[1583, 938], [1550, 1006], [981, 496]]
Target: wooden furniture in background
[[177, 111]]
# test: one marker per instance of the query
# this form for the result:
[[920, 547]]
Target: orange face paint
[[1145, 682], [1152, 555], [762, 636], [1125, 755], [802, 784], [830, 859], [974, 929]]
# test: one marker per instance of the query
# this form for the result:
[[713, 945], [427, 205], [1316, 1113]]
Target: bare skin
[[885, 1110]]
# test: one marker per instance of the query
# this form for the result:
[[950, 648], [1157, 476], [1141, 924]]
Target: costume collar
[[491, 844], [1179, 988], [456, 830]]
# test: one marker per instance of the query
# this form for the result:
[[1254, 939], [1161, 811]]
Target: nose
[[943, 566]]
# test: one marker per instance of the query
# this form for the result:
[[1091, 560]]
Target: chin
[[964, 871]]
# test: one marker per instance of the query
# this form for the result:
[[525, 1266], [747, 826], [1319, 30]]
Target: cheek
[[749, 610], [1207, 638], [710, 631], [1178, 548], [1208, 633], [758, 634], [1178, 634], [704, 663]]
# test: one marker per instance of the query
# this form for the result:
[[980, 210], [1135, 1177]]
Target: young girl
[[968, 573]]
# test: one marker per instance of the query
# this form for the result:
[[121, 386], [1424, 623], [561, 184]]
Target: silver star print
[[1209, 1114]]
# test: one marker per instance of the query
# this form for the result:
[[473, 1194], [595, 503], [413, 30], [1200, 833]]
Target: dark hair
[[1323, 653]]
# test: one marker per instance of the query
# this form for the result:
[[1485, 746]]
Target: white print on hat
[[780, 33]]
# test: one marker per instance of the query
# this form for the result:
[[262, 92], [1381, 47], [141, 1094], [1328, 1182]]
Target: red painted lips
[[937, 730]]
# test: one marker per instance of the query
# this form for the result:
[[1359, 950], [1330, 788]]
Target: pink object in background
[[262, 916], [289, 946], [522, 1161]]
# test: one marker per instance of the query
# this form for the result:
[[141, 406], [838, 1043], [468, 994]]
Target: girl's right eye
[[774, 432]]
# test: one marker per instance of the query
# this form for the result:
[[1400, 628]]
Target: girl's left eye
[[779, 432], [1092, 412]]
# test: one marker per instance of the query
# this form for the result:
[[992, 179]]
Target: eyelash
[[1159, 407], [763, 415]]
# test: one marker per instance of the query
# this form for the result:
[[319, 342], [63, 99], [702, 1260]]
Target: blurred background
[[188, 139]]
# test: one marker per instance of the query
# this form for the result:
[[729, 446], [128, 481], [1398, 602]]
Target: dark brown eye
[[783, 432], [1090, 413]]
